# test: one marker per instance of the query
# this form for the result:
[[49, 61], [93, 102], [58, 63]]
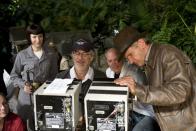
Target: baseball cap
[[125, 38], [82, 44]]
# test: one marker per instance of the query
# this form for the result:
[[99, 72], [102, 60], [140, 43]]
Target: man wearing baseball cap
[[171, 79], [82, 54]]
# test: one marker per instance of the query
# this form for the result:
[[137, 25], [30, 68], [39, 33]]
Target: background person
[[6, 64], [115, 66], [171, 80], [37, 62], [8, 120], [141, 115], [2, 84]]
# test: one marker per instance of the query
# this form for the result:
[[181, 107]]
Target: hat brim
[[124, 39], [82, 44], [82, 48], [121, 56]]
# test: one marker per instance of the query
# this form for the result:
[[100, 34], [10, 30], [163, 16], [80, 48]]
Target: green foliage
[[165, 21], [97, 16], [164, 35], [177, 24]]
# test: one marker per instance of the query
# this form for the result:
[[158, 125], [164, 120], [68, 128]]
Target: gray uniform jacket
[[40, 70], [171, 89]]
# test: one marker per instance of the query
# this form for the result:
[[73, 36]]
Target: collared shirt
[[89, 74], [145, 109], [138, 75], [38, 53], [111, 74], [148, 53]]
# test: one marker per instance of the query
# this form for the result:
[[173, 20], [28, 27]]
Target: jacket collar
[[31, 54], [30, 51], [151, 60]]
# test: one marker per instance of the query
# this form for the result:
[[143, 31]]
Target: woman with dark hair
[[33, 66], [34, 29], [8, 120]]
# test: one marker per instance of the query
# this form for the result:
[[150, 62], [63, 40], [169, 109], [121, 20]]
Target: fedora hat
[[125, 38]]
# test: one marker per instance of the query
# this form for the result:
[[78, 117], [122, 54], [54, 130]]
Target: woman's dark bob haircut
[[3, 95], [34, 29]]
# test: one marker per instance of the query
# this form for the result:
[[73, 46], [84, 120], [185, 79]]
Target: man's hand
[[127, 81], [28, 88]]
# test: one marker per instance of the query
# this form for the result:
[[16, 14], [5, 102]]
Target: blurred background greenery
[[165, 21]]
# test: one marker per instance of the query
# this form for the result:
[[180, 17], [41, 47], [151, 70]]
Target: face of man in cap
[[82, 54], [136, 53], [82, 59]]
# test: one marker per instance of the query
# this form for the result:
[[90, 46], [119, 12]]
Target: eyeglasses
[[83, 54]]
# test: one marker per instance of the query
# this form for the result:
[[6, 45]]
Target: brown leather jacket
[[171, 89]]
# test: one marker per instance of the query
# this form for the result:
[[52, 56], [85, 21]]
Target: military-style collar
[[31, 54], [30, 51]]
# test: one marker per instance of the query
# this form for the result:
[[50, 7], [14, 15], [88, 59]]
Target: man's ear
[[141, 43], [93, 56]]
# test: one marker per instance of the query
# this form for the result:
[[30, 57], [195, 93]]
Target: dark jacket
[[85, 85], [171, 89], [66, 74]]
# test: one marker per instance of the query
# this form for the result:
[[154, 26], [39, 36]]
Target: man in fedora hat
[[141, 115], [171, 79]]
